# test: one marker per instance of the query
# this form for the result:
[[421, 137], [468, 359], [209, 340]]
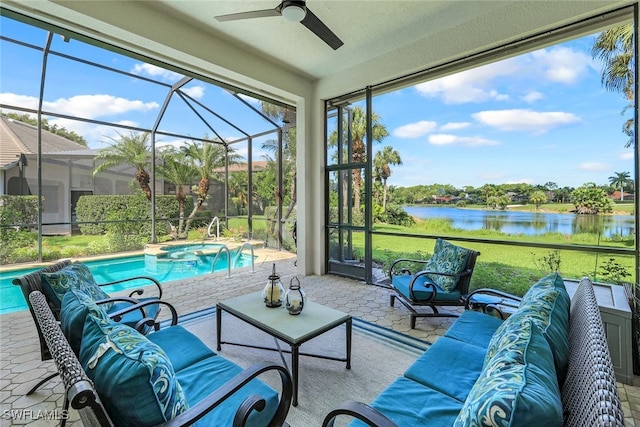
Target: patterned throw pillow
[[548, 304], [57, 283], [517, 387], [133, 376], [447, 258], [76, 306]]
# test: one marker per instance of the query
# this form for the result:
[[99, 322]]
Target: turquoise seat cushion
[[181, 346], [548, 304], [447, 258], [76, 306], [461, 362], [133, 376], [421, 293], [474, 328], [57, 283], [204, 377], [409, 403], [518, 386]]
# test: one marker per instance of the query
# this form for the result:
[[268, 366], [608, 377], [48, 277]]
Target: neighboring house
[[616, 195], [67, 172]]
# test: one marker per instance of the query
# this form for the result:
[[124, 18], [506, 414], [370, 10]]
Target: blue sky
[[539, 117]]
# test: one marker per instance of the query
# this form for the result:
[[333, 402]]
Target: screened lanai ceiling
[[382, 39]]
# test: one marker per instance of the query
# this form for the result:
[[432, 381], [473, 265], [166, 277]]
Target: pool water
[[112, 269]]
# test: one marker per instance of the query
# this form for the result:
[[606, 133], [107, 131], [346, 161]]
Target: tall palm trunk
[[143, 181]]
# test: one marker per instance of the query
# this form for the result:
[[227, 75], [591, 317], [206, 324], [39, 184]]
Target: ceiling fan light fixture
[[294, 12]]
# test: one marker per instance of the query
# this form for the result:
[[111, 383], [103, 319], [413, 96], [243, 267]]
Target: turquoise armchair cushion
[[420, 291], [133, 376], [57, 283], [518, 385], [447, 258], [547, 303]]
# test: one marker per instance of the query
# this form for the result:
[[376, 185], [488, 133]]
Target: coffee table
[[314, 320]]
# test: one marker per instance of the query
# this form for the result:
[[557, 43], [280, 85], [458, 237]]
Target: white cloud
[[627, 156], [86, 106], [454, 126], [415, 130], [470, 86], [558, 65], [594, 166], [520, 181], [196, 92], [157, 72], [532, 97], [525, 120], [473, 141], [562, 64]]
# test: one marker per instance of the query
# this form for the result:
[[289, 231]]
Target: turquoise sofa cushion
[[447, 258], [204, 377], [181, 346], [474, 328], [76, 306], [518, 385], [133, 376], [548, 304], [409, 403], [57, 283], [448, 366], [421, 293]]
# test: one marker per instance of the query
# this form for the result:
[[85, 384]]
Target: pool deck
[[21, 368]]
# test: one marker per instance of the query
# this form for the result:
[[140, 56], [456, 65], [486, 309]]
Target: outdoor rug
[[378, 356]]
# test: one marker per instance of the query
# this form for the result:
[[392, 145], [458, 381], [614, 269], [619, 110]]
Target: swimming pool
[[190, 261]]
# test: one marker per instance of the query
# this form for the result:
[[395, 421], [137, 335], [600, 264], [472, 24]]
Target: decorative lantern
[[294, 298], [273, 293]]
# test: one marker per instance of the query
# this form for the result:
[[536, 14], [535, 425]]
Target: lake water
[[528, 223]]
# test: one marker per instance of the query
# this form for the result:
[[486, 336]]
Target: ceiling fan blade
[[313, 23], [249, 15]]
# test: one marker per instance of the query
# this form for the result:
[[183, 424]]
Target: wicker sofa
[[115, 376], [548, 364]]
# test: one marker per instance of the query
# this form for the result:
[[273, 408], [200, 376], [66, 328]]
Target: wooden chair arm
[[253, 402], [362, 412], [137, 291]]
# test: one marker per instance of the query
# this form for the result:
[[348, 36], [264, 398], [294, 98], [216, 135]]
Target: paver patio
[[20, 365]]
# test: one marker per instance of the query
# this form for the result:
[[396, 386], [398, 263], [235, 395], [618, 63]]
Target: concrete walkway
[[21, 368]]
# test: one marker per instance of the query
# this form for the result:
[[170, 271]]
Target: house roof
[[21, 138]]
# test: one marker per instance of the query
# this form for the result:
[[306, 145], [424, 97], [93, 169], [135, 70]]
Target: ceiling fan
[[295, 11]]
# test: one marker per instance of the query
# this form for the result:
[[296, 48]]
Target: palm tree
[[176, 170], [620, 180], [128, 150], [205, 157], [359, 148], [387, 156], [238, 187], [614, 47], [288, 117]]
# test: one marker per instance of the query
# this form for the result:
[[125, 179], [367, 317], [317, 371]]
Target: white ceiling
[[383, 39]]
